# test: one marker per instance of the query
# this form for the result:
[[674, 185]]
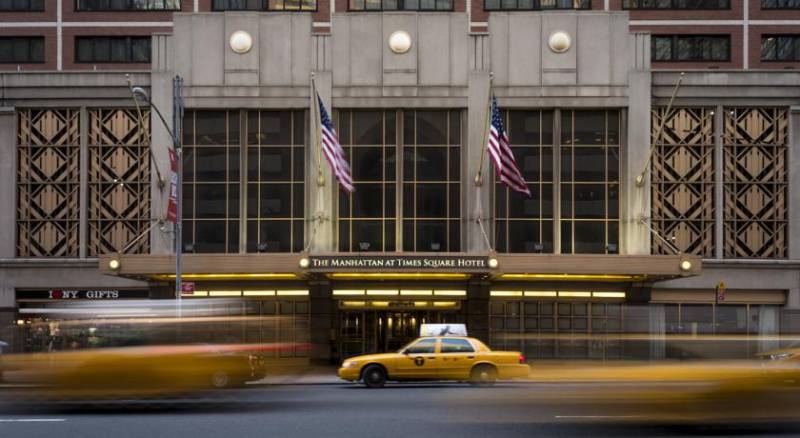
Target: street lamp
[[139, 94]]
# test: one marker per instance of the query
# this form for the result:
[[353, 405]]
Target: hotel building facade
[[659, 140]]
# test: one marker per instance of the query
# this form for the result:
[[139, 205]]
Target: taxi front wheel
[[374, 376], [483, 375]]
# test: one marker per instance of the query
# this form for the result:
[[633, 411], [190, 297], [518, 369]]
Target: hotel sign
[[394, 263]]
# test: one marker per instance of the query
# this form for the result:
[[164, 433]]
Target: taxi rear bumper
[[513, 371]]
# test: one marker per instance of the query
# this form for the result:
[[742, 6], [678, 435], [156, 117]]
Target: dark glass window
[[422, 346], [112, 49], [395, 5], [526, 224], [780, 4], [275, 181], [456, 346], [497, 5], [676, 4], [780, 48], [712, 48], [211, 181], [21, 50], [261, 5], [367, 219], [432, 181], [127, 5], [21, 5], [589, 181]]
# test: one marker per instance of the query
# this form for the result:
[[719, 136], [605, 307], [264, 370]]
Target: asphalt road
[[401, 410]]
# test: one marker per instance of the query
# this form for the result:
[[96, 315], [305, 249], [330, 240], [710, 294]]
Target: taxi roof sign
[[443, 330]]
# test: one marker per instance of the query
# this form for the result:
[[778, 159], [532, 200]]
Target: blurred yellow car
[[436, 358], [136, 371]]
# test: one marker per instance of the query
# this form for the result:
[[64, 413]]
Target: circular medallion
[[419, 361], [241, 42], [400, 42], [559, 41]]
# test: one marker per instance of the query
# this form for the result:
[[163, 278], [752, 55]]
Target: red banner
[[172, 206]]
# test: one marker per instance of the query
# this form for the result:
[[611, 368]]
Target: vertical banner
[[172, 206]]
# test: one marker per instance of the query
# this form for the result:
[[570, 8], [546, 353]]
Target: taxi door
[[457, 358], [419, 361]]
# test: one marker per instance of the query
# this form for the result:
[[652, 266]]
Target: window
[[211, 163], [367, 217], [422, 346], [780, 48], [275, 175], [21, 5], [21, 50], [127, 5], [395, 5], [432, 181], [714, 48], [676, 4], [526, 224], [112, 49], [498, 5], [456, 346], [589, 181], [262, 5], [780, 4]]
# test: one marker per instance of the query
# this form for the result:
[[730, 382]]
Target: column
[[320, 207], [477, 108]]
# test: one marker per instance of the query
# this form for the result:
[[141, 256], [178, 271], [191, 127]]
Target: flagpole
[[318, 123], [479, 175]]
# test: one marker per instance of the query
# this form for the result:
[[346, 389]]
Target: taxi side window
[[422, 346], [456, 346]]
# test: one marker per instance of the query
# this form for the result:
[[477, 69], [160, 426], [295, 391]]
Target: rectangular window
[[401, 5], [263, 5], [690, 48], [432, 181], [275, 181], [676, 4], [367, 217], [780, 48], [134, 49], [589, 182], [780, 4], [21, 5], [535, 5], [211, 181], [526, 224], [21, 50], [127, 5]]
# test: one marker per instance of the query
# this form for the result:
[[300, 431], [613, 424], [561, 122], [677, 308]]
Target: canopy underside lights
[[397, 276], [573, 277], [264, 276]]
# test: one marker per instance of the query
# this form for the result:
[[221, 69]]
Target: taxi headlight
[[350, 364]]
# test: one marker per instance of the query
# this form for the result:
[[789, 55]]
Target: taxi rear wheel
[[374, 376], [483, 375]]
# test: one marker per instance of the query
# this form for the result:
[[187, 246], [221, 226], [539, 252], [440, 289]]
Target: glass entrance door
[[378, 331]]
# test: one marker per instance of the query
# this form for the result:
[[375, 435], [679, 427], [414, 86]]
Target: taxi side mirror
[[406, 352]]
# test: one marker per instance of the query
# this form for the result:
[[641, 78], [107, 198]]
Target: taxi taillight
[[521, 358]]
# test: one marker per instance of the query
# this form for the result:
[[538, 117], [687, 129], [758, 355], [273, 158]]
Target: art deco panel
[[683, 181], [119, 181], [755, 182], [48, 183]]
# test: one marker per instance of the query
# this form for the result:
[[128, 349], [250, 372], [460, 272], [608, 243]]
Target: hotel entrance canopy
[[406, 266]]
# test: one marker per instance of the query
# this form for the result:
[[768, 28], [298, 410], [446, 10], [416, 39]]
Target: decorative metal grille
[[755, 182], [683, 181], [119, 181], [48, 183]]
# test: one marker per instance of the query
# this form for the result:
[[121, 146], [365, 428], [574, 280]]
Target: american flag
[[333, 150], [502, 156]]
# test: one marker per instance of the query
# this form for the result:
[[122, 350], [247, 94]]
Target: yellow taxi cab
[[458, 358]]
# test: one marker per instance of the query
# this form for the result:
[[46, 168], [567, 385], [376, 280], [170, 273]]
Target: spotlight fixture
[[364, 246], [188, 247], [263, 247], [611, 248], [493, 263], [113, 264], [304, 262], [686, 265], [436, 246]]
